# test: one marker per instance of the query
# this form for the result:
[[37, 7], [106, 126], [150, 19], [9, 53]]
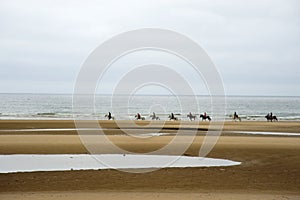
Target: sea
[[60, 106]]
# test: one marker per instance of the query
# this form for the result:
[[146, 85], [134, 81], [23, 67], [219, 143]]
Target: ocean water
[[59, 106]]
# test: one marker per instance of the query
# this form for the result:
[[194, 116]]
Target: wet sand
[[270, 166], [281, 126]]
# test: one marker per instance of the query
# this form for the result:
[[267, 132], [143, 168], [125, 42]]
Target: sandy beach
[[270, 166], [168, 100]]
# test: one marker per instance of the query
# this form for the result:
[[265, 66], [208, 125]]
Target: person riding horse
[[109, 116], [235, 117], [138, 116], [191, 116], [271, 117], [172, 117], [205, 116], [154, 117]]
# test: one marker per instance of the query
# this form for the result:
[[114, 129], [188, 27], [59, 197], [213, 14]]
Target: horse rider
[[172, 116], [109, 116], [235, 115], [154, 115], [138, 116]]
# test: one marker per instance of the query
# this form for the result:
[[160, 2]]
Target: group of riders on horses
[[138, 116], [269, 117]]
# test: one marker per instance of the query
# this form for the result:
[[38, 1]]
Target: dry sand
[[270, 166]]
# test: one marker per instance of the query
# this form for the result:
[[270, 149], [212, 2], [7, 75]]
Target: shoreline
[[149, 195], [281, 126]]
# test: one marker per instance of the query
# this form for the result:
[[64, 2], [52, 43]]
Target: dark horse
[[271, 118], [236, 117], [137, 117], [172, 117], [205, 117], [109, 117]]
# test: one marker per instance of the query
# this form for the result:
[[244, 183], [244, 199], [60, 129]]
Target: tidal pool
[[65, 162]]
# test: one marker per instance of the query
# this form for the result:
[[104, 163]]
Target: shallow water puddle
[[267, 133], [64, 162]]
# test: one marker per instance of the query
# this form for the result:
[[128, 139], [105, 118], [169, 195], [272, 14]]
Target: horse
[[236, 117], [153, 117], [109, 118], [173, 118], [271, 118], [191, 116], [136, 118], [205, 117]]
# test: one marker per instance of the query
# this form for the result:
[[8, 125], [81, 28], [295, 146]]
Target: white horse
[[191, 116], [154, 117]]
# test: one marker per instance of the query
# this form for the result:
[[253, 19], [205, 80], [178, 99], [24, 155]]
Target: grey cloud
[[248, 40]]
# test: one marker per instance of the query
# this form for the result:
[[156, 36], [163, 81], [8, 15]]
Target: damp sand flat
[[167, 195], [258, 126], [270, 165], [71, 144], [135, 131]]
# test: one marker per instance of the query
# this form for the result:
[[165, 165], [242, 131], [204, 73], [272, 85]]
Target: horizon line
[[107, 94]]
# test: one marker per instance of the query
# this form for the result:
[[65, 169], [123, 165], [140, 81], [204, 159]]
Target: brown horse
[[271, 118]]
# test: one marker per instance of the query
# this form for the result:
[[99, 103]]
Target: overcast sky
[[255, 44]]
